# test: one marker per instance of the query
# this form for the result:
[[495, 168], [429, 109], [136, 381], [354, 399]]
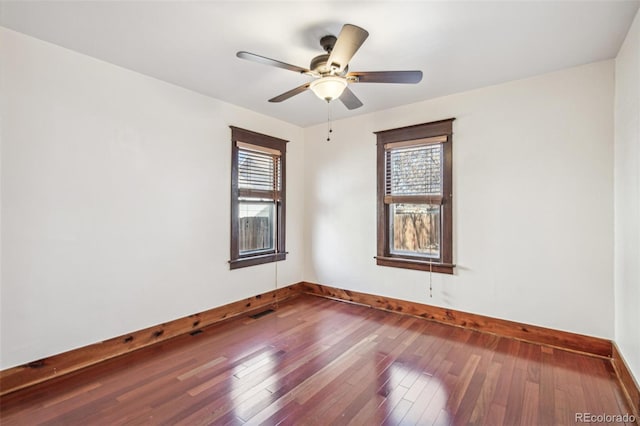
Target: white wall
[[115, 201], [627, 199], [533, 202]]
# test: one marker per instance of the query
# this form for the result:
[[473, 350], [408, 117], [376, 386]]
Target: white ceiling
[[459, 45]]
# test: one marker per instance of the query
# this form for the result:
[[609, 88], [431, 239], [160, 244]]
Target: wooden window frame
[[239, 137], [401, 137]]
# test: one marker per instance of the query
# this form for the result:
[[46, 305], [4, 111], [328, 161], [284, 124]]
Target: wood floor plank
[[483, 402], [435, 394], [319, 361]]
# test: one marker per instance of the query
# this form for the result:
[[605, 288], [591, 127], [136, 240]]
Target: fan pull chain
[[329, 129]]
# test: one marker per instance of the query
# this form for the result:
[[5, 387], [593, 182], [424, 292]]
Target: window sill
[[420, 265], [243, 262]]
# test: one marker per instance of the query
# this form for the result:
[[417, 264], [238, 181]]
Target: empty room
[[320, 212]]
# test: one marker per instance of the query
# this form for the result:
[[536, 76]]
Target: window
[[257, 198], [415, 197]]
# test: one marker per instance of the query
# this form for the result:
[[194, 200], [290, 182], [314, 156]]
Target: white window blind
[[413, 174], [259, 173]]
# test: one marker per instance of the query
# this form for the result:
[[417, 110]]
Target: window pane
[[256, 230], [415, 230], [414, 170]]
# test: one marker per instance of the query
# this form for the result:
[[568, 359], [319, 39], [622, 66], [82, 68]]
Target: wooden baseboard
[[629, 385], [39, 371], [529, 333]]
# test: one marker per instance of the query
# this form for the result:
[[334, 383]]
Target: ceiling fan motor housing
[[320, 65]]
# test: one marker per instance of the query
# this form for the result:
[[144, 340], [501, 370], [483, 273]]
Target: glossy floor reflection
[[318, 361]]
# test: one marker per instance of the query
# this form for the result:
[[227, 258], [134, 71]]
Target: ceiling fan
[[331, 69]]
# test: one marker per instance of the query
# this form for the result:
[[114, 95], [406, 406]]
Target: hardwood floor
[[318, 361]]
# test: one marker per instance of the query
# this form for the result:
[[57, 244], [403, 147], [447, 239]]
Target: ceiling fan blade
[[268, 61], [290, 93], [349, 99], [402, 77], [349, 41]]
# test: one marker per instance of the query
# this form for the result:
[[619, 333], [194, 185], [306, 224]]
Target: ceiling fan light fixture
[[329, 88]]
